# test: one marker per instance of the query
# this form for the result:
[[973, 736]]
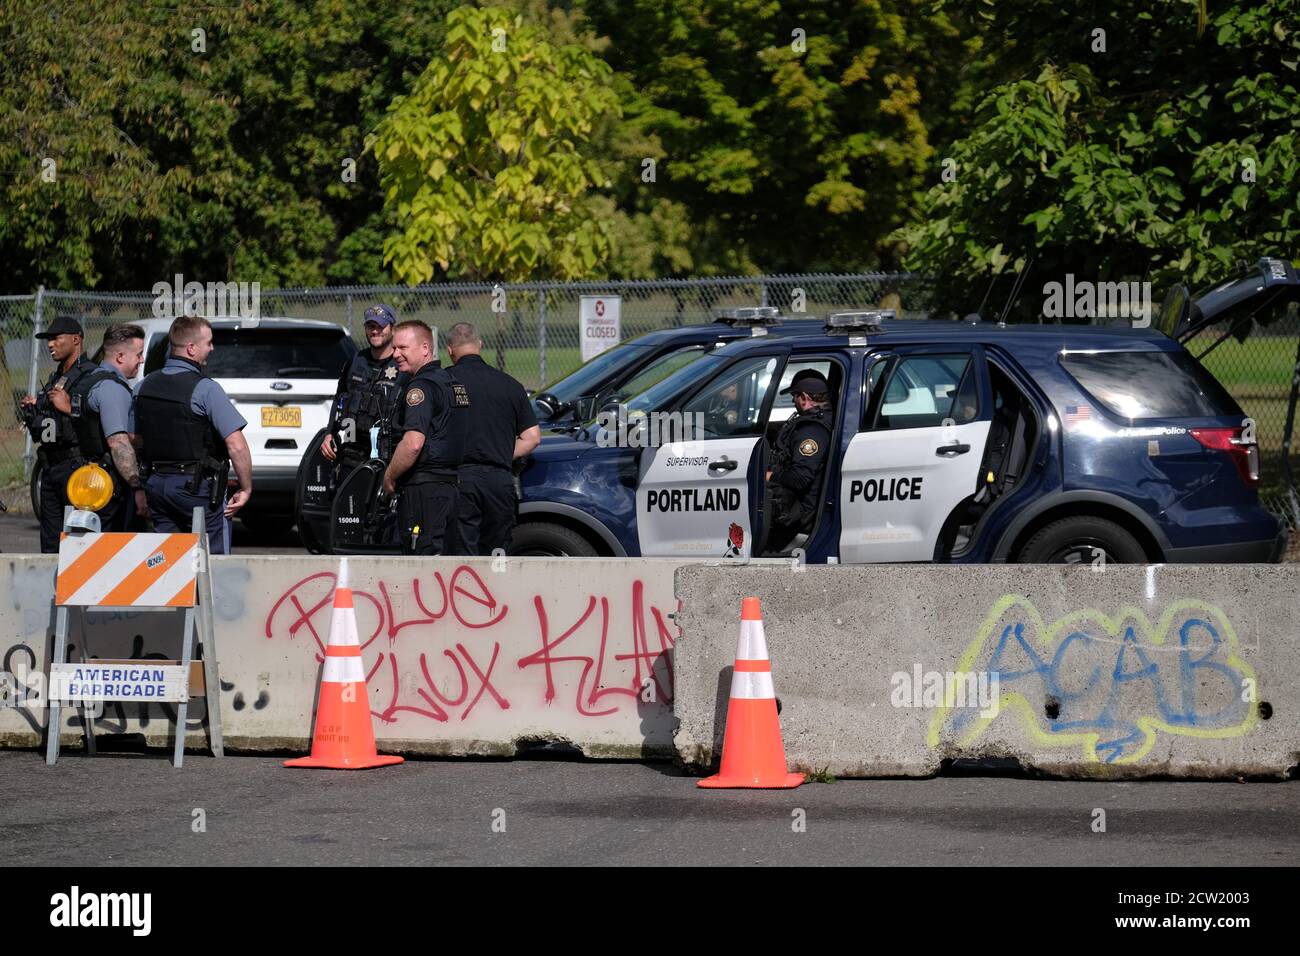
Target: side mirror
[[547, 405]]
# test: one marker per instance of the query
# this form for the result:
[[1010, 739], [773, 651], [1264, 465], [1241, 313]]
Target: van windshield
[[268, 353]]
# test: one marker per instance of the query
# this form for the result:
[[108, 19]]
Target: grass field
[[1259, 365]]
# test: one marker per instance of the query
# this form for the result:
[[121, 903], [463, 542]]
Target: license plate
[[281, 416]]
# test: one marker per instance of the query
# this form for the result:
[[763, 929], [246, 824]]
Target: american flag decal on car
[[1076, 415]]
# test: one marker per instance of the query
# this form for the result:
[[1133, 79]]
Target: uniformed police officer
[[502, 429], [52, 428], [191, 433], [367, 394], [431, 419], [101, 406], [799, 459]]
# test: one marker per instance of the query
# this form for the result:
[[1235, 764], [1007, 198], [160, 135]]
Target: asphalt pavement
[[131, 808]]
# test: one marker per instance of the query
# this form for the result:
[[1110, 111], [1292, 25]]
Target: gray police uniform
[[58, 450], [798, 462], [367, 395], [427, 491], [499, 411], [184, 418], [102, 407]]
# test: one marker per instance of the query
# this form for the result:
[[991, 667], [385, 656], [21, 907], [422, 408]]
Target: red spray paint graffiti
[[612, 671]]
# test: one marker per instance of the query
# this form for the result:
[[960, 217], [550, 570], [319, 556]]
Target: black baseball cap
[[809, 381], [62, 325]]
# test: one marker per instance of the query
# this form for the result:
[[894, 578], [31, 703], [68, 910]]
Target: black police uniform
[[93, 445], [426, 506], [499, 411], [367, 394], [60, 455], [798, 462], [185, 453]]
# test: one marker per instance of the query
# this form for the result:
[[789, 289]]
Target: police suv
[[952, 441], [632, 367]]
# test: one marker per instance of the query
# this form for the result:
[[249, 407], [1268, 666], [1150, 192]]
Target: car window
[[659, 369], [783, 404], [269, 353], [923, 391], [1140, 385], [732, 402]]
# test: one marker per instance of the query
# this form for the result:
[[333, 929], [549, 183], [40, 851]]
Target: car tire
[[542, 538], [1077, 541]]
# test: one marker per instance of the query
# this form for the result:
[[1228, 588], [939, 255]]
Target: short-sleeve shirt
[[113, 403], [499, 412], [209, 400]]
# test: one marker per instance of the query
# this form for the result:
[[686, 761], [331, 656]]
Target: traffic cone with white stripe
[[752, 752], [344, 737]]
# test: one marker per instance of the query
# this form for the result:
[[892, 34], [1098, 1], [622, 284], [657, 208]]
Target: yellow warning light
[[89, 488]]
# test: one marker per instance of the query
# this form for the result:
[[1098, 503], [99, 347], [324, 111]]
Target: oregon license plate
[[281, 416]]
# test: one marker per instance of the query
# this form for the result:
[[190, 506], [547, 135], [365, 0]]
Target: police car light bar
[[748, 315], [869, 321]]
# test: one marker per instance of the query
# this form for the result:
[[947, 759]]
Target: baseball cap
[[381, 314], [62, 325], [809, 381]]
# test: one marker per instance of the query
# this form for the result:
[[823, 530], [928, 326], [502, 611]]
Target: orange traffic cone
[[344, 738], [752, 752]]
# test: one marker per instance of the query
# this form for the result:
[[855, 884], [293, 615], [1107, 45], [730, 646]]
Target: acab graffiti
[[443, 646], [1107, 685]]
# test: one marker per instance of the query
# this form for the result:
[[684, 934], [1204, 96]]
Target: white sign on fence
[[600, 323], [146, 681]]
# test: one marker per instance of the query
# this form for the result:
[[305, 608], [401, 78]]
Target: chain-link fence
[[532, 331]]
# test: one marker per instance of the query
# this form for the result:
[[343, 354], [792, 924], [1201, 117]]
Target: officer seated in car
[[799, 460]]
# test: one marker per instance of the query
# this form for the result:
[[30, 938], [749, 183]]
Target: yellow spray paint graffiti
[[1112, 684]]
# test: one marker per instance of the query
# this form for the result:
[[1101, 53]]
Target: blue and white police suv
[[952, 442]]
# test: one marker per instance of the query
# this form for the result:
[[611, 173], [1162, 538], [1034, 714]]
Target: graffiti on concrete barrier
[[443, 646], [1108, 685]]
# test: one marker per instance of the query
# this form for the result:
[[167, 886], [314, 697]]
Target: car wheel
[[1082, 540], [543, 539]]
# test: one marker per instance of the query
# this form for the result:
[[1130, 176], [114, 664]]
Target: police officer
[[367, 394], [100, 403], [502, 429], [53, 429], [431, 417], [191, 432], [799, 459]]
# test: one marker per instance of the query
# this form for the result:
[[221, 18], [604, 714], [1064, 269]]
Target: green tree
[[487, 163], [219, 155], [785, 136], [1139, 151]]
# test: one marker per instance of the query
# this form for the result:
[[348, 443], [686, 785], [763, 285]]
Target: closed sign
[[599, 323]]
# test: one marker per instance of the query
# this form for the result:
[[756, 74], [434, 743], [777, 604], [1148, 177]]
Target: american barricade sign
[[141, 681]]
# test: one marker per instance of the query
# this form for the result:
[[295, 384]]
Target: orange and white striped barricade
[[126, 570]]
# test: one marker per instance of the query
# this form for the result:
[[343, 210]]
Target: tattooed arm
[[128, 466]]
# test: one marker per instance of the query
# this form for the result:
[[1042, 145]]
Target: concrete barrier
[[463, 656], [1122, 672]]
